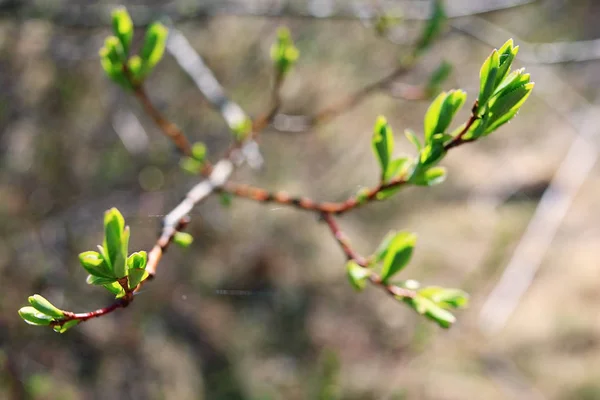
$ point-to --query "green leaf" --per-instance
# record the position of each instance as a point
(66, 326)
(34, 317)
(135, 66)
(410, 135)
(439, 76)
(362, 195)
(153, 49)
(397, 168)
(357, 275)
(136, 276)
(429, 156)
(428, 308)
(434, 176)
(398, 254)
(183, 239)
(112, 57)
(116, 240)
(383, 143)
(95, 264)
(122, 27)
(514, 80)
(283, 52)
(199, 152)
(137, 268)
(44, 306)
(242, 129)
(99, 280)
(507, 54)
(115, 288)
(441, 112)
(446, 298)
(137, 260)
(506, 107)
(190, 165)
(433, 27)
(382, 249)
(487, 78)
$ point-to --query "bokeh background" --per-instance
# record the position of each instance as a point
(259, 306)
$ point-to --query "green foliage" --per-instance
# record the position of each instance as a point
(283, 52)
(122, 27)
(44, 306)
(357, 275)
(154, 46)
(433, 28)
(434, 303)
(398, 254)
(129, 72)
(438, 77)
(442, 111)
(383, 143)
(183, 239)
(111, 266)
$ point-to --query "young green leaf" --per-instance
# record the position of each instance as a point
(115, 288)
(439, 76)
(398, 254)
(357, 275)
(410, 135)
(95, 264)
(137, 268)
(190, 165)
(441, 112)
(428, 308)
(283, 52)
(44, 306)
(153, 49)
(383, 143)
(135, 66)
(137, 260)
(434, 176)
(99, 280)
(34, 317)
(506, 107)
(116, 240)
(397, 168)
(446, 298)
(487, 78)
(183, 239)
(382, 249)
(433, 27)
(507, 54)
(199, 152)
(66, 326)
(122, 27)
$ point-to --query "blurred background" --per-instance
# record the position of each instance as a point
(259, 306)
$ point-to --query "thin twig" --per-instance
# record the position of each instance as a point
(351, 254)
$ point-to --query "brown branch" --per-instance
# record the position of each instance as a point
(351, 254)
(304, 203)
(119, 303)
(263, 121)
(168, 128)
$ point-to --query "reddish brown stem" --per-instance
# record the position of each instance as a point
(168, 128)
(304, 203)
(120, 303)
(351, 254)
